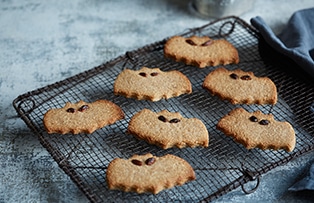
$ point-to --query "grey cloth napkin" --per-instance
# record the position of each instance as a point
(307, 183)
(295, 41)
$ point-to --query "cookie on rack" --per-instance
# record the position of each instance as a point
(82, 117)
(258, 130)
(151, 84)
(201, 51)
(168, 129)
(148, 173)
(240, 87)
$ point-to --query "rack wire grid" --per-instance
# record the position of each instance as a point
(221, 167)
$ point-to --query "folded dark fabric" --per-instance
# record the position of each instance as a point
(307, 183)
(295, 41)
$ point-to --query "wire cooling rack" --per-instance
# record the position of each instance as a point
(220, 168)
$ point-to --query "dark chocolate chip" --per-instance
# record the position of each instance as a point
(154, 74)
(136, 162)
(234, 76)
(162, 118)
(150, 161)
(142, 74)
(70, 110)
(83, 108)
(264, 122)
(246, 77)
(207, 43)
(190, 42)
(175, 120)
(253, 119)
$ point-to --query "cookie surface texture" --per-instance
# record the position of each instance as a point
(201, 51)
(258, 130)
(148, 173)
(151, 84)
(240, 87)
(168, 129)
(82, 117)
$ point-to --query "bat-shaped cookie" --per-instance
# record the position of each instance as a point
(258, 130)
(151, 84)
(148, 173)
(168, 129)
(240, 87)
(201, 51)
(82, 117)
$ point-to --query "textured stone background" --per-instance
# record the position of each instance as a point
(42, 42)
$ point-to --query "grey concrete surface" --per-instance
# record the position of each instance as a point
(42, 42)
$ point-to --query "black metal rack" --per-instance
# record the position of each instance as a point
(220, 168)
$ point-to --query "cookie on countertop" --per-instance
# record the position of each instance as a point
(151, 84)
(201, 51)
(82, 117)
(258, 130)
(168, 129)
(148, 173)
(240, 87)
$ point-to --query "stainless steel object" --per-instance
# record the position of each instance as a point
(221, 8)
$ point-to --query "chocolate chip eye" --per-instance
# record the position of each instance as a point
(162, 118)
(83, 108)
(175, 120)
(246, 77)
(142, 74)
(234, 76)
(136, 162)
(154, 74)
(253, 119)
(190, 42)
(264, 122)
(70, 110)
(150, 161)
(207, 43)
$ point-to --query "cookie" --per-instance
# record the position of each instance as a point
(151, 84)
(201, 51)
(82, 117)
(258, 130)
(240, 87)
(148, 173)
(168, 129)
